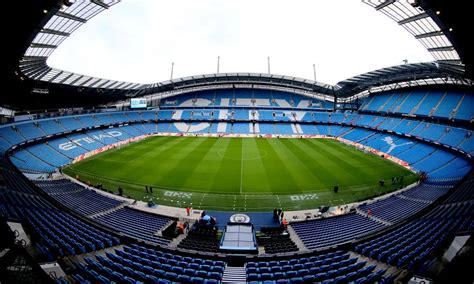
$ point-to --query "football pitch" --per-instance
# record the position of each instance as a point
(241, 174)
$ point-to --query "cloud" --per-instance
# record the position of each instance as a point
(137, 40)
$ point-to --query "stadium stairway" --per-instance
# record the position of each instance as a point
(120, 206)
(175, 242)
(363, 213)
(80, 257)
(234, 275)
(294, 237)
(69, 263)
(414, 199)
(390, 271)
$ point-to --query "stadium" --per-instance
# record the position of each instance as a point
(237, 177)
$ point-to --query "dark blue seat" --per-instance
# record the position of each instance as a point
(151, 279)
(215, 275)
(197, 280)
(184, 278)
(201, 273)
(296, 280)
(291, 274)
(279, 275)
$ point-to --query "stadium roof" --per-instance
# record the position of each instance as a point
(408, 75)
(42, 27)
(420, 21)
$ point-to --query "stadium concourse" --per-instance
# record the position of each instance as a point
(366, 181)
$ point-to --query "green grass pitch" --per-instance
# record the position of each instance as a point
(241, 174)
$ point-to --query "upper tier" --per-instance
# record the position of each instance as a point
(436, 104)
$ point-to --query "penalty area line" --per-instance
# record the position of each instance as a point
(241, 166)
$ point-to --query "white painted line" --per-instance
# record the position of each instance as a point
(279, 203)
(241, 166)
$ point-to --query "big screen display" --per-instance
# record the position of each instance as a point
(138, 103)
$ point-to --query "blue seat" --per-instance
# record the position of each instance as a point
(308, 278)
(172, 276)
(283, 262)
(197, 280)
(251, 264)
(189, 271)
(151, 279)
(201, 273)
(340, 279)
(159, 273)
(140, 275)
(362, 280)
(215, 275)
(291, 274)
(273, 263)
(183, 264)
(279, 275)
(319, 276)
(178, 270)
(166, 267)
(296, 280)
(293, 261)
(251, 270)
(194, 266)
(314, 270)
(198, 261)
(128, 280)
(297, 266)
(219, 263)
(252, 277)
(147, 269)
(184, 278)
(275, 269)
(217, 268)
(331, 273)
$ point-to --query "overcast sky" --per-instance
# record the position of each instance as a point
(137, 40)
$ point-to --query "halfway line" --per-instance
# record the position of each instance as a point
(241, 166)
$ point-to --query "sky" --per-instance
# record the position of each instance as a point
(137, 40)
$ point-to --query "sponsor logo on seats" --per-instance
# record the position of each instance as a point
(390, 142)
(66, 146)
